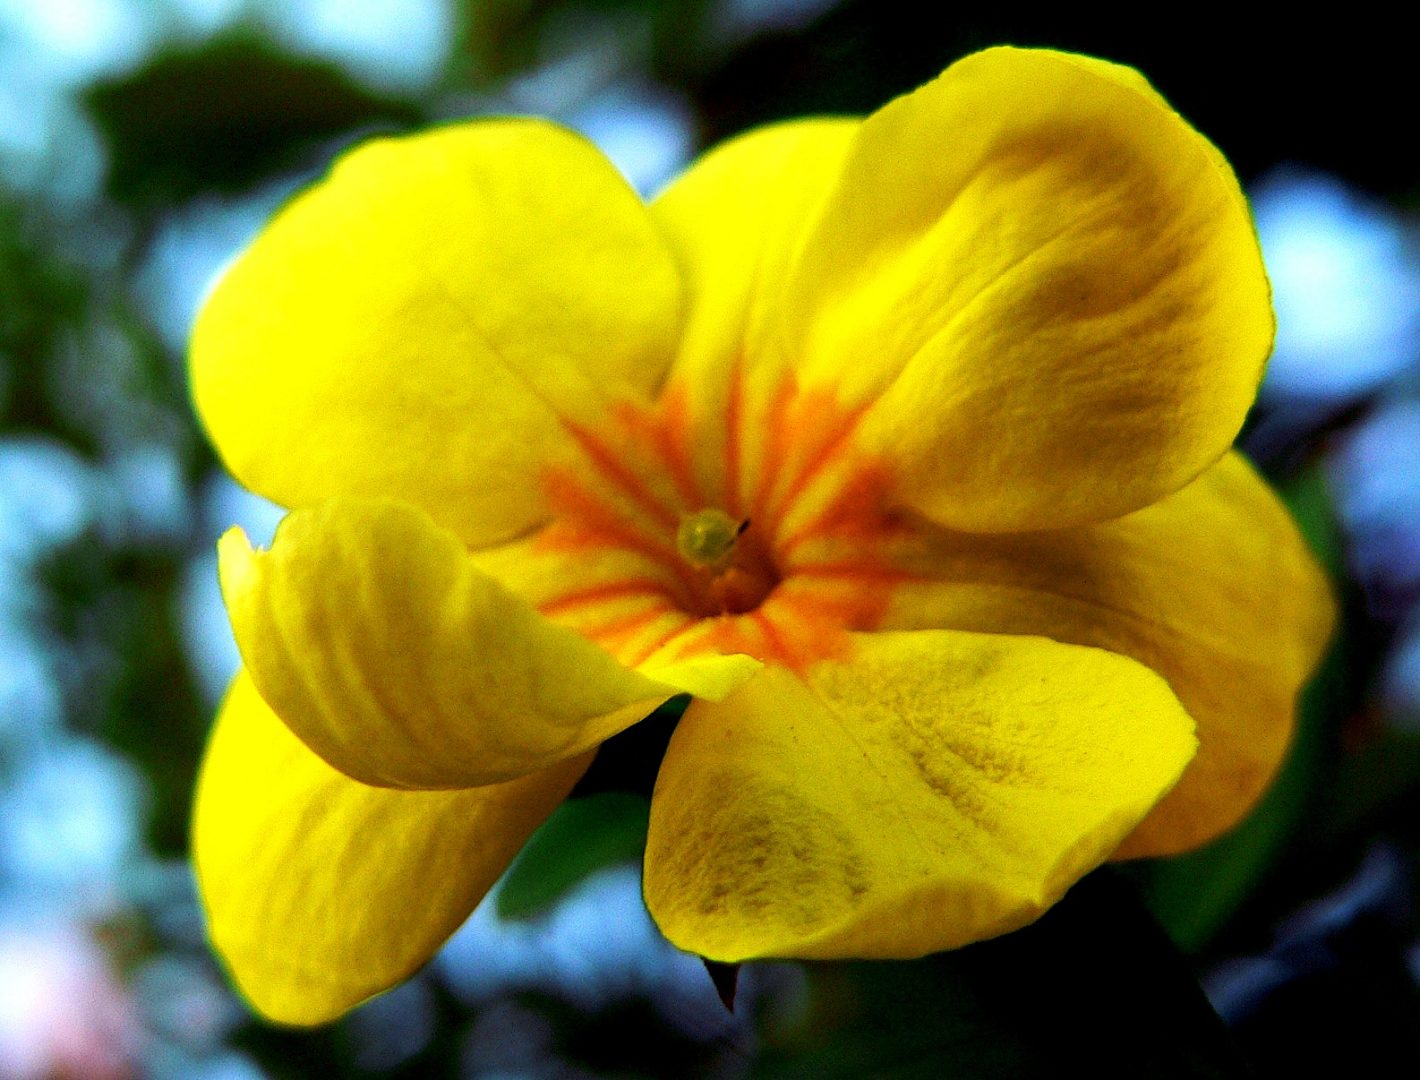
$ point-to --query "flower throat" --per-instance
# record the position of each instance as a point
(736, 570)
(764, 530)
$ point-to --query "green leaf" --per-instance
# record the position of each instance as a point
(1093, 989)
(581, 837)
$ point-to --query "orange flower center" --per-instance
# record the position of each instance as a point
(764, 531)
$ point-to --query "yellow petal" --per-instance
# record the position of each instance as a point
(712, 677)
(320, 891)
(1213, 588)
(1049, 283)
(369, 631)
(936, 789)
(735, 221)
(416, 325)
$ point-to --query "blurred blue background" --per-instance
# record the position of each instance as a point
(143, 142)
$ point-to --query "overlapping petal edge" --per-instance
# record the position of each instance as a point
(1013, 569)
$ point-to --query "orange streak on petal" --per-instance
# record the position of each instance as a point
(694, 638)
(857, 611)
(819, 413)
(734, 422)
(823, 626)
(776, 449)
(779, 648)
(855, 508)
(605, 460)
(586, 522)
(616, 632)
(725, 634)
(669, 434)
(597, 594)
(646, 652)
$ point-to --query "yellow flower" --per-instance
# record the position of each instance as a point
(901, 444)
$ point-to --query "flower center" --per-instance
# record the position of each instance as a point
(734, 570)
(762, 530)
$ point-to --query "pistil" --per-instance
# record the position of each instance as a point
(737, 572)
(706, 538)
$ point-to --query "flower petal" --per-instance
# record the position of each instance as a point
(735, 221)
(1213, 588)
(712, 676)
(370, 632)
(936, 789)
(320, 891)
(417, 324)
(1050, 284)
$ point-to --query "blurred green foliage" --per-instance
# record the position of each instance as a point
(272, 107)
(40, 298)
(582, 837)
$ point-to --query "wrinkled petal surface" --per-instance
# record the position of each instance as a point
(1213, 588)
(1050, 285)
(320, 891)
(371, 633)
(419, 325)
(938, 788)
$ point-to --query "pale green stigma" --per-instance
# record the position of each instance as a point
(707, 537)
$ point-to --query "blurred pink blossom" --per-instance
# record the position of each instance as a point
(63, 1013)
